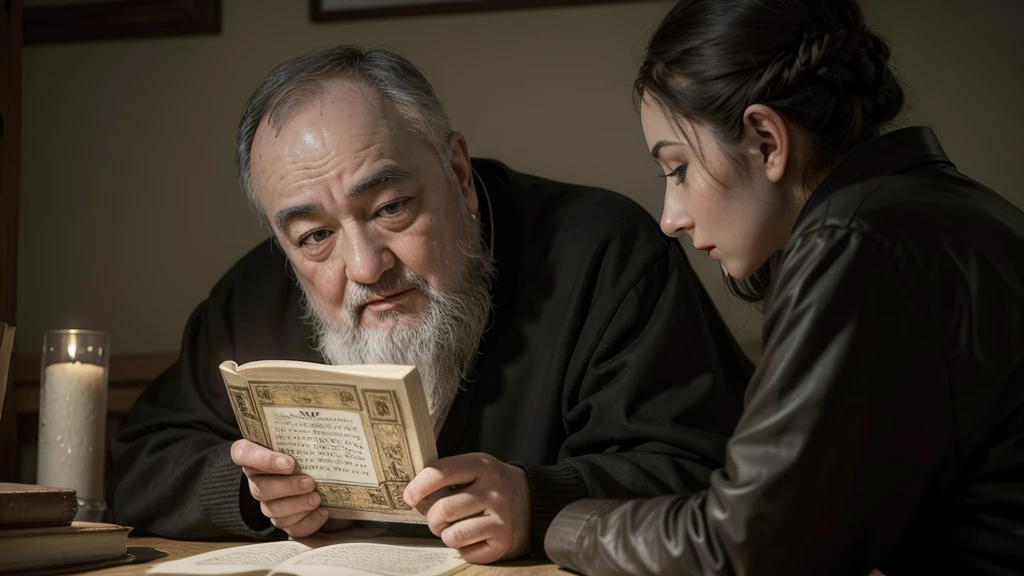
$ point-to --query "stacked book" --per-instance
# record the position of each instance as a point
(39, 537)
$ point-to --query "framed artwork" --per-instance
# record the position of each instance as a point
(331, 10)
(78, 20)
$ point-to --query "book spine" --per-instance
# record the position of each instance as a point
(37, 509)
(245, 408)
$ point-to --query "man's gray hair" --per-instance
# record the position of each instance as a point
(298, 83)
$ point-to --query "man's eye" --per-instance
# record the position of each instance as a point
(315, 237)
(392, 209)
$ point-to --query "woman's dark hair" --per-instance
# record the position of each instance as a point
(815, 62)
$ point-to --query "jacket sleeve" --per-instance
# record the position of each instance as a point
(659, 393)
(847, 429)
(171, 471)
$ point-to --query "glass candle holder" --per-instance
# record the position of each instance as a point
(73, 416)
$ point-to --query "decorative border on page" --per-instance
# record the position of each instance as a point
(382, 424)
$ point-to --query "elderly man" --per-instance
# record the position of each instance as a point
(566, 348)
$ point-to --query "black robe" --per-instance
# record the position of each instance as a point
(606, 370)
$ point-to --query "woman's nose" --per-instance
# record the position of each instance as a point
(675, 220)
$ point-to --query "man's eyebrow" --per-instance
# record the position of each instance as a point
(380, 176)
(286, 215)
(656, 150)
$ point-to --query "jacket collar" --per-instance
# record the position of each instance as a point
(891, 153)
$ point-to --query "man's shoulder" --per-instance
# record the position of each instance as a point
(255, 308)
(264, 266)
(585, 214)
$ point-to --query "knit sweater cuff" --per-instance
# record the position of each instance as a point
(551, 489)
(224, 494)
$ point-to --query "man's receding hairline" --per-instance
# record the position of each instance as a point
(296, 106)
(305, 106)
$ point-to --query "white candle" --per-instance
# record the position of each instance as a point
(72, 427)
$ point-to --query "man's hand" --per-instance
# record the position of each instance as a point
(289, 501)
(476, 504)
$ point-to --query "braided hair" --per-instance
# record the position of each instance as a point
(815, 62)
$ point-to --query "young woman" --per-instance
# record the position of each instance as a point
(884, 427)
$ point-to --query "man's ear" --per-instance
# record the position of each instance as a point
(464, 171)
(766, 139)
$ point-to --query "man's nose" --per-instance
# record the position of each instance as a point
(367, 257)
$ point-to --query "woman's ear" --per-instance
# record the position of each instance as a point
(766, 139)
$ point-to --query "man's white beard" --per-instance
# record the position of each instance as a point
(442, 343)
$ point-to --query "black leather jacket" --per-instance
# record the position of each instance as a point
(885, 425)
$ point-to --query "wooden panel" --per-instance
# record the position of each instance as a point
(10, 170)
(10, 155)
(124, 368)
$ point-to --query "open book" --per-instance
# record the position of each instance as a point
(361, 432)
(383, 556)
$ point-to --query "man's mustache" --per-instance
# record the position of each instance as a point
(391, 281)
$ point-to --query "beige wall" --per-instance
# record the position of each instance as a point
(130, 209)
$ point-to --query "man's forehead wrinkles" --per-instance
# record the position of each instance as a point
(333, 145)
(302, 166)
(294, 173)
(332, 166)
(368, 148)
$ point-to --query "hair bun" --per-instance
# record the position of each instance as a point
(854, 61)
(816, 63)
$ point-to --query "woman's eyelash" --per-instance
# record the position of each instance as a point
(679, 173)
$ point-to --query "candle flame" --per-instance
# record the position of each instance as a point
(72, 348)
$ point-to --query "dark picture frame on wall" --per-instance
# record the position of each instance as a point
(334, 10)
(81, 20)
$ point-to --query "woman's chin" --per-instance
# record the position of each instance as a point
(736, 271)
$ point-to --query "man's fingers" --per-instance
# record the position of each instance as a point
(308, 525)
(250, 473)
(451, 509)
(289, 521)
(283, 507)
(337, 525)
(267, 487)
(483, 552)
(470, 531)
(428, 501)
(251, 455)
(451, 471)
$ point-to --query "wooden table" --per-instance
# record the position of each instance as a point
(176, 549)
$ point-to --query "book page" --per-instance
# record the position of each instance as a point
(361, 432)
(329, 444)
(367, 558)
(253, 559)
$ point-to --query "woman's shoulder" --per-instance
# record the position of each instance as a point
(945, 237)
(932, 199)
(920, 215)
